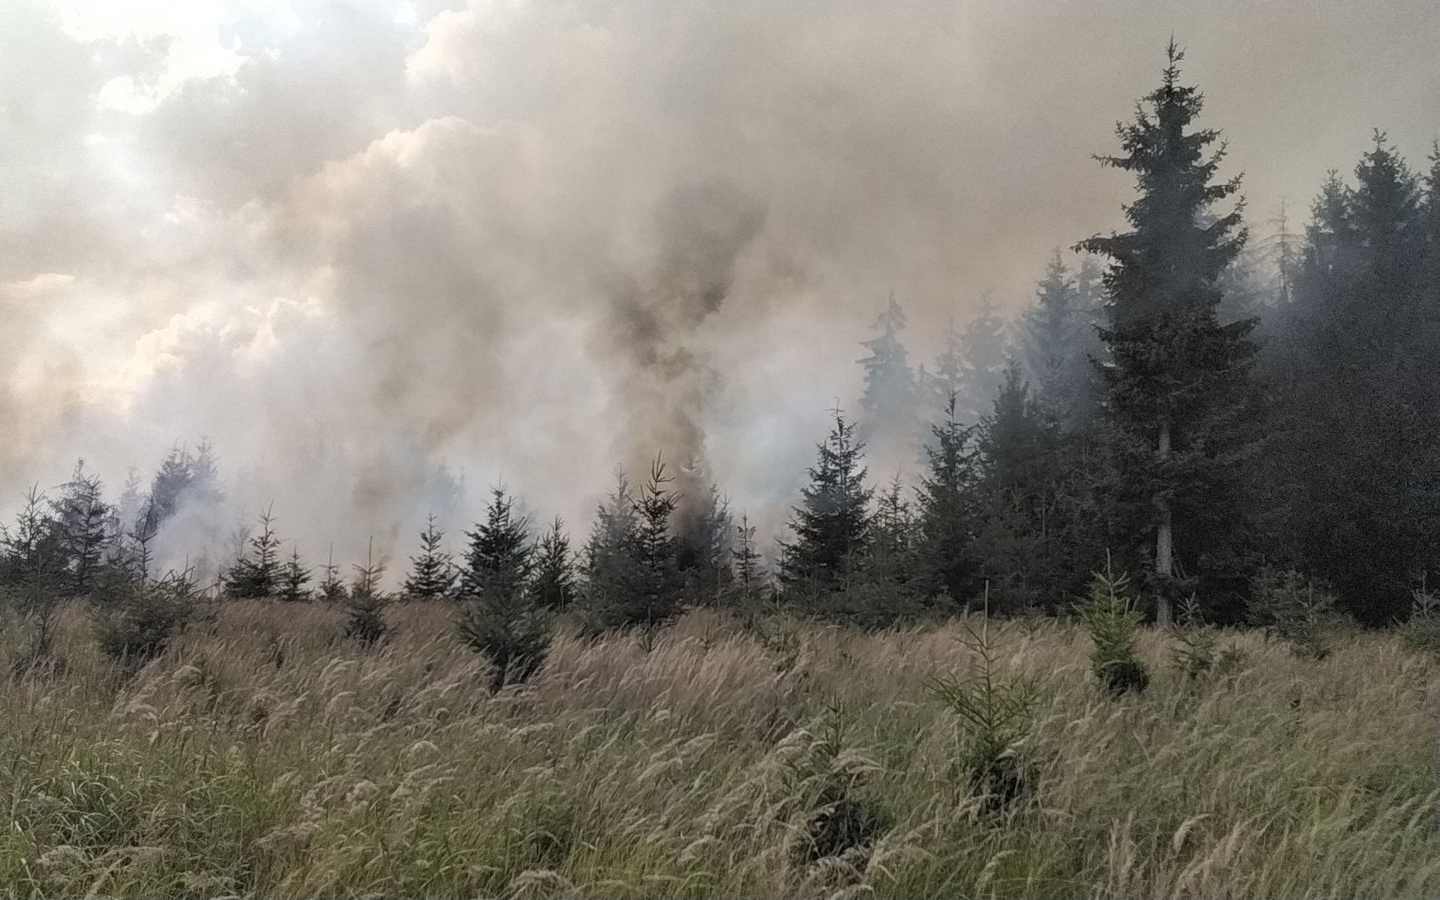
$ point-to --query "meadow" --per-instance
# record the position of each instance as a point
(264, 756)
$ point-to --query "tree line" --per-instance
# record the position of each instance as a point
(1204, 412)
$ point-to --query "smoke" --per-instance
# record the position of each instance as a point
(666, 377)
(375, 250)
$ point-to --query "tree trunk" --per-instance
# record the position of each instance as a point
(1164, 538)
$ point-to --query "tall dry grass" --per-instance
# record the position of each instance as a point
(263, 756)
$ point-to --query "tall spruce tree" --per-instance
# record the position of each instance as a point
(609, 557)
(1357, 488)
(947, 520)
(702, 543)
(1019, 447)
(1431, 226)
(432, 572)
(891, 559)
(554, 581)
(660, 582)
(888, 403)
(831, 526)
(132, 501)
(499, 616)
(498, 558)
(1177, 377)
(947, 381)
(170, 482)
(140, 559)
(1058, 342)
(82, 518)
(985, 349)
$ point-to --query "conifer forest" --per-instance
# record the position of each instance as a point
(610, 449)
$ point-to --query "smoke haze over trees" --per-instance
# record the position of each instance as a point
(365, 261)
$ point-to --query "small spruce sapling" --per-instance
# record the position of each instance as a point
(1194, 653)
(1422, 631)
(1114, 623)
(1296, 609)
(825, 778)
(332, 588)
(996, 717)
(140, 623)
(554, 580)
(365, 604)
(432, 572)
(1197, 650)
(293, 579)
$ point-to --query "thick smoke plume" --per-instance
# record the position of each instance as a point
(701, 232)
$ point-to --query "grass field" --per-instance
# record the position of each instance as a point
(261, 756)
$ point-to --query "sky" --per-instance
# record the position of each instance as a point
(355, 242)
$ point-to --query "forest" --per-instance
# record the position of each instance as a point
(1145, 611)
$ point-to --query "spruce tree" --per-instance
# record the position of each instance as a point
(1058, 342)
(554, 581)
(1177, 376)
(658, 597)
(82, 517)
(1352, 470)
(140, 537)
(365, 602)
(948, 380)
(890, 561)
(749, 581)
(498, 558)
(1431, 221)
(610, 567)
(498, 615)
(831, 526)
(128, 508)
(170, 482)
(293, 579)
(985, 349)
(31, 554)
(1049, 333)
(1019, 445)
(1286, 256)
(947, 518)
(30, 570)
(702, 543)
(888, 402)
(432, 573)
(256, 572)
(332, 587)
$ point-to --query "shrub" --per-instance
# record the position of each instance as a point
(512, 634)
(1113, 623)
(1422, 631)
(136, 623)
(996, 717)
(1197, 652)
(1296, 609)
(824, 779)
(38, 607)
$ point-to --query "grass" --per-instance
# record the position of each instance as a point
(262, 756)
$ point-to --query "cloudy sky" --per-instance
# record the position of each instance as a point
(353, 241)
